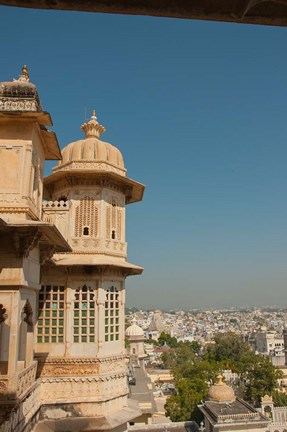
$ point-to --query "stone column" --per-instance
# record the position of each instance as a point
(27, 181)
(69, 323)
(122, 316)
(14, 334)
(101, 319)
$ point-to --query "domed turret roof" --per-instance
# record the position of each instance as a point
(134, 329)
(86, 152)
(19, 94)
(221, 392)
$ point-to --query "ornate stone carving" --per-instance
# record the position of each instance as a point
(3, 314)
(79, 367)
(15, 104)
(47, 253)
(97, 166)
(26, 379)
(27, 314)
(3, 387)
(25, 242)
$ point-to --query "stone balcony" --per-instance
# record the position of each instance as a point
(15, 386)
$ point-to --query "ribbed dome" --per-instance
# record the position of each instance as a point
(221, 392)
(92, 149)
(134, 329)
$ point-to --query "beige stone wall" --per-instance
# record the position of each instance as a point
(21, 169)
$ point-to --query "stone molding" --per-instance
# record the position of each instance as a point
(90, 164)
(82, 379)
(13, 104)
(105, 369)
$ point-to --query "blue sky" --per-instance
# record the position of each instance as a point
(198, 110)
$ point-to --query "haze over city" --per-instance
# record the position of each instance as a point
(198, 110)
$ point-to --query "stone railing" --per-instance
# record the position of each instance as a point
(51, 207)
(26, 378)
(14, 386)
(55, 205)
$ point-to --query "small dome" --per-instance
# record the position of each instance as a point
(134, 329)
(19, 94)
(221, 392)
(91, 150)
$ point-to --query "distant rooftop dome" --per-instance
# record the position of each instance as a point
(87, 152)
(221, 392)
(134, 329)
(19, 94)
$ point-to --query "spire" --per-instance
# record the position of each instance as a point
(93, 128)
(24, 75)
(220, 379)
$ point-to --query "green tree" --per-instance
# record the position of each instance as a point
(192, 382)
(279, 399)
(183, 353)
(165, 338)
(259, 378)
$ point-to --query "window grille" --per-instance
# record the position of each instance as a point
(84, 315)
(87, 216)
(113, 220)
(112, 311)
(50, 326)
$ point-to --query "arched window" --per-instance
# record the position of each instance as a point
(86, 231)
(86, 218)
(112, 312)
(84, 315)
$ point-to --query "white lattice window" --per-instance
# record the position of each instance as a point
(112, 314)
(86, 218)
(84, 315)
(50, 326)
(113, 220)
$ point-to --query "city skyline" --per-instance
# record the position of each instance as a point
(198, 111)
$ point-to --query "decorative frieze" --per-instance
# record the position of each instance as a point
(15, 104)
(90, 165)
(101, 369)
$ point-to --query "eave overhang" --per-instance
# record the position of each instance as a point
(90, 260)
(133, 190)
(267, 12)
(51, 146)
(47, 234)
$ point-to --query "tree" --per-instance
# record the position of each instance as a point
(228, 347)
(183, 353)
(279, 399)
(192, 382)
(167, 339)
(260, 378)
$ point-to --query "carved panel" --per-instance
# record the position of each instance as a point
(26, 379)
(9, 104)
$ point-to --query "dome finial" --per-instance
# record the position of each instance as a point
(25, 72)
(220, 379)
(93, 128)
(94, 117)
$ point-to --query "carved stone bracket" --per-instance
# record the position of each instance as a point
(46, 253)
(25, 242)
(3, 314)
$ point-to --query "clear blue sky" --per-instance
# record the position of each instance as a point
(198, 110)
